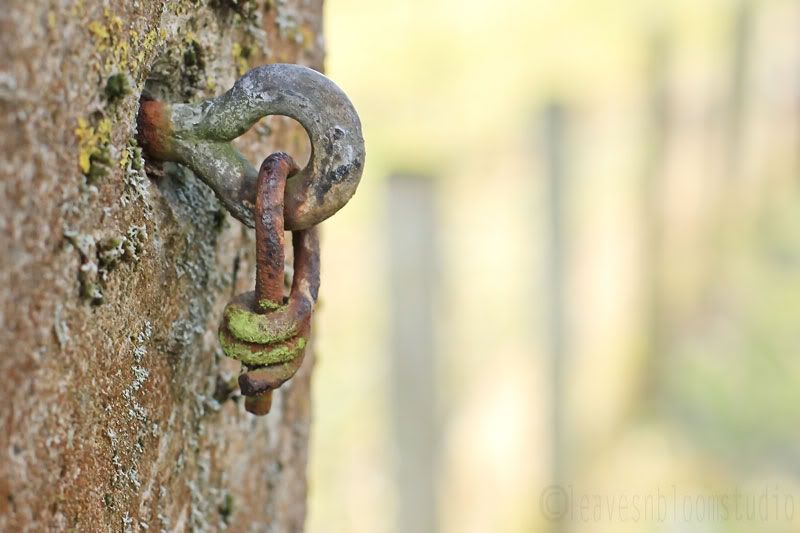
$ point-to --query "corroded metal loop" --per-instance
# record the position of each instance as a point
(257, 335)
(198, 135)
(260, 328)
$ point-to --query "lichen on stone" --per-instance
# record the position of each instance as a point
(99, 257)
(241, 55)
(94, 150)
(117, 86)
(137, 185)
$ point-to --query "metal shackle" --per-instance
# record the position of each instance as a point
(198, 135)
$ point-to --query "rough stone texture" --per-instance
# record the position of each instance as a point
(117, 411)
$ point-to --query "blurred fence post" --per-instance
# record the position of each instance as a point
(741, 39)
(412, 267)
(657, 131)
(554, 133)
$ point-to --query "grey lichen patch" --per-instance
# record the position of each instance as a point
(286, 20)
(60, 327)
(100, 257)
(135, 178)
(128, 435)
(199, 213)
(185, 330)
(135, 411)
(134, 243)
(122, 248)
(226, 385)
(110, 252)
(88, 279)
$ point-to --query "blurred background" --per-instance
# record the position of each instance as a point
(572, 269)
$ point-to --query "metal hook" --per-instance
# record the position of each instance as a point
(198, 135)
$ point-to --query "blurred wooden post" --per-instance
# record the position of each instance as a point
(726, 208)
(737, 97)
(412, 267)
(554, 130)
(653, 177)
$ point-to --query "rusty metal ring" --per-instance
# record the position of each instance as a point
(267, 334)
(198, 135)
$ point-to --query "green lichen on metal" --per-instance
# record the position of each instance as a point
(254, 327)
(268, 356)
(198, 136)
(269, 305)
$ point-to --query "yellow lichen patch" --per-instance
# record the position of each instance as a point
(85, 134)
(308, 40)
(100, 34)
(92, 141)
(77, 8)
(122, 50)
(240, 56)
(123, 159)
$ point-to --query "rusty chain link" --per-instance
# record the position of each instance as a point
(261, 328)
(258, 328)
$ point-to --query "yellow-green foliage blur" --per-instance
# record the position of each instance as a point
(681, 280)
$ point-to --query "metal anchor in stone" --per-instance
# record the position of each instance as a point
(198, 135)
(264, 330)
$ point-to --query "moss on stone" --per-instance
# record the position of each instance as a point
(117, 87)
(226, 507)
(240, 56)
(193, 55)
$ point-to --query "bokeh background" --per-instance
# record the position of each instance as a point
(574, 260)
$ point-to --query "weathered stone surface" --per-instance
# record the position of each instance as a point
(113, 276)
